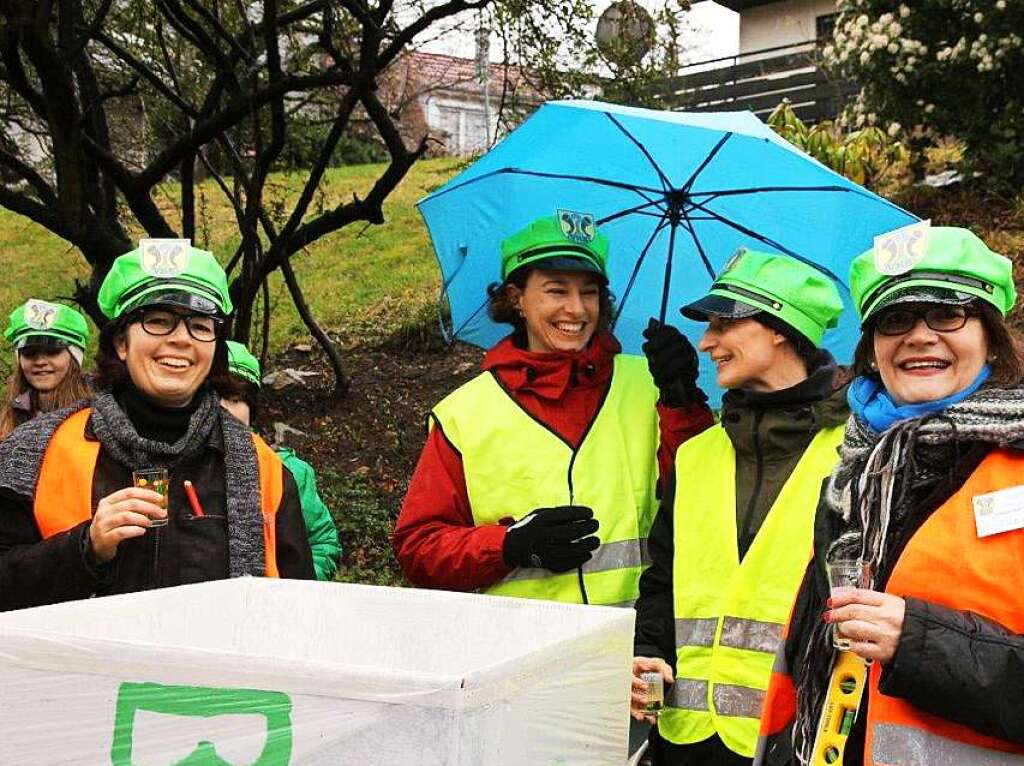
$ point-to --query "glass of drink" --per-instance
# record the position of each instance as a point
(842, 574)
(157, 480)
(655, 692)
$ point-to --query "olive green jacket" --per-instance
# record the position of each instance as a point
(770, 432)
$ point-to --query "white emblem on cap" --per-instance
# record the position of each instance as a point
(40, 315)
(579, 227)
(900, 250)
(733, 261)
(164, 257)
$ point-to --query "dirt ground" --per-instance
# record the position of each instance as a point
(364, 447)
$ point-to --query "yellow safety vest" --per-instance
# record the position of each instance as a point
(729, 614)
(514, 464)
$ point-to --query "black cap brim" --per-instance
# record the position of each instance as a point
(568, 263)
(41, 341)
(925, 294)
(197, 304)
(717, 305)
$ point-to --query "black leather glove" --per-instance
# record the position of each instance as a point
(559, 539)
(672, 361)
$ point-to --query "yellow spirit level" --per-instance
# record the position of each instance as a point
(845, 690)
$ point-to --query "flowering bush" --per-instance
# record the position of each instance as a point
(940, 68)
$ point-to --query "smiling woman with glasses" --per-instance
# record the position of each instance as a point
(76, 521)
(926, 498)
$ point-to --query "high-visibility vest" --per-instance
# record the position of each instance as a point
(946, 563)
(514, 464)
(63, 497)
(730, 614)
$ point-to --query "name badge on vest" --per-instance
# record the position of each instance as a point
(1000, 511)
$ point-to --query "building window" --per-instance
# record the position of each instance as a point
(825, 25)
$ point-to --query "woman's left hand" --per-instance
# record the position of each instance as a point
(873, 621)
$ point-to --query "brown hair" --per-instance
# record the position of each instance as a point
(112, 373)
(70, 390)
(1005, 346)
(503, 309)
(809, 354)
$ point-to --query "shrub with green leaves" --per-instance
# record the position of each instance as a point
(941, 68)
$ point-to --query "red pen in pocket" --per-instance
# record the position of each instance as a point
(193, 499)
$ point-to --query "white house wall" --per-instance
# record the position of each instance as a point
(462, 118)
(781, 23)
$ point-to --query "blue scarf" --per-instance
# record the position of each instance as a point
(870, 402)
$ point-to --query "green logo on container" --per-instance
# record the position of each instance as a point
(203, 702)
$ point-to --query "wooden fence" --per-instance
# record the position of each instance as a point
(759, 81)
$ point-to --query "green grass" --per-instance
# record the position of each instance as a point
(362, 282)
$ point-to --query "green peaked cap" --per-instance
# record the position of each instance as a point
(800, 295)
(570, 240)
(242, 363)
(159, 269)
(37, 318)
(951, 260)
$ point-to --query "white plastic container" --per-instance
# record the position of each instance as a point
(275, 672)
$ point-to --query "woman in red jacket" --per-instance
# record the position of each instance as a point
(538, 477)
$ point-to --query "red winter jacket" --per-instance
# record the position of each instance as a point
(435, 538)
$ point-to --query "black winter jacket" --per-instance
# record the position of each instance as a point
(35, 572)
(953, 664)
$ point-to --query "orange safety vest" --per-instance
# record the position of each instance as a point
(63, 497)
(946, 563)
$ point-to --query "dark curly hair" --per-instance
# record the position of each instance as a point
(1004, 343)
(502, 309)
(112, 373)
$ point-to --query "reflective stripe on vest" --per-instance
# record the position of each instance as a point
(513, 464)
(909, 746)
(729, 615)
(63, 496)
(946, 563)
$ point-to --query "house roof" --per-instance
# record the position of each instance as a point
(742, 5)
(435, 70)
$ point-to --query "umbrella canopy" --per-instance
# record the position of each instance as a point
(675, 193)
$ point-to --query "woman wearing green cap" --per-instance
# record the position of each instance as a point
(75, 522)
(731, 540)
(244, 403)
(926, 501)
(538, 476)
(49, 340)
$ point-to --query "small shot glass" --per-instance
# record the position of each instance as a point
(843, 573)
(157, 480)
(655, 692)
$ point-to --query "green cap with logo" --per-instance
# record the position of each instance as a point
(51, 325)
(243, 364)
(165, 272)
(753, 282)
(566, 241)
(921, 263)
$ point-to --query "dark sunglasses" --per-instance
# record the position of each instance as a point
(200, 327)
(899, 321)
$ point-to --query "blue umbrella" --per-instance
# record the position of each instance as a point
(676, 194)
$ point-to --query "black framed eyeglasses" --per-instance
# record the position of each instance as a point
(899, 321)
(201, 327)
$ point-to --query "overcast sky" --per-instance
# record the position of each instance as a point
(717, 33)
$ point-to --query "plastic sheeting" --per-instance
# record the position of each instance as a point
(274, 672)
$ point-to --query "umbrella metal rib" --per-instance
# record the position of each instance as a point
(666, 184)
(636, 269)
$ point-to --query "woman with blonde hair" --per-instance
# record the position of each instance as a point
(49, 341)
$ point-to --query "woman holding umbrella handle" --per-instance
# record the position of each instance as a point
(538, 477)
(731, 540)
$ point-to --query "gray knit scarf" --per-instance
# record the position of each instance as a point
(875, 485)
(22, 452)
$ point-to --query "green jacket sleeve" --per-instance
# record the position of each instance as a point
(323, 535)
